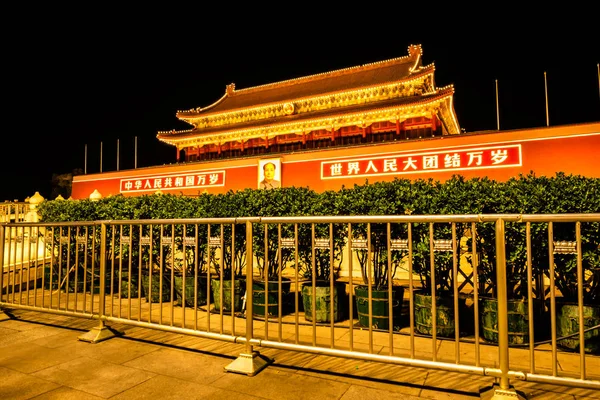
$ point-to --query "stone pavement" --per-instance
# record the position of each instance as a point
(42, 358)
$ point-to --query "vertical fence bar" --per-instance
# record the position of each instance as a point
(113, 229)
(172, 307)
(350, 291)
(475, 260)
(102, 299)
(249, 297)
(29, 262)
(552, 298)
(279, 284)
(390, 284)
(580, 300)
(530, 298)
(76, 229)
(411, 310)
(35, 233)
(120, 277)
(455, 287)
(233, 269)
(140, 268)
(370, 286)
(433, 293)
(52, 260)
(196, 271)
(296, 292)
(183, 276)
(60, 267)
(2, 250)
(331, 287)
(94, 244)
(313, 305)
(14, 265)
(222, 277)
(22, 256)
(208, 285)
(265, 277)
(502, 304)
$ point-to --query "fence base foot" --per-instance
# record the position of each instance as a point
(248, 364)
(5, 315)
(495, 393)
(98, 334)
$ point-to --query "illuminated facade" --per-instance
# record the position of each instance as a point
(374, 122)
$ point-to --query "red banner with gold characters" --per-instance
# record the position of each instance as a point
(199, 179)
(457, 159)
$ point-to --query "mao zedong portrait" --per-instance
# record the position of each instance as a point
(269, 181)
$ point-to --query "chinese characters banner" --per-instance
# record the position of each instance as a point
(438, 161)
(174, 182)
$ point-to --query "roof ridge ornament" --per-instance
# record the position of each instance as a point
(230, 89)
(415, 51)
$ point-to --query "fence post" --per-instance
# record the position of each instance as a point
(250, 362)
(2, 250)
(504, 390)
(101, 332)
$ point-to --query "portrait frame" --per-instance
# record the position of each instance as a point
(261, 171)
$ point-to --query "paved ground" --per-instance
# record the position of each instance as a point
(42, 358)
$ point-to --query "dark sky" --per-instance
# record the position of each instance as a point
(81, 81)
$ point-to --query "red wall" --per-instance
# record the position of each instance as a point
(570, 148)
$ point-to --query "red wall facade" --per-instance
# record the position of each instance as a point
(498, 155)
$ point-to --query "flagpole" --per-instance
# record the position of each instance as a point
(117, 154)
(497, 108)
(100, 157)
(546, 85)
(598, 68)
(135, 154)
(85, 160)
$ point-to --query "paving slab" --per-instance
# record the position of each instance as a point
(15, 385)
(94, 377)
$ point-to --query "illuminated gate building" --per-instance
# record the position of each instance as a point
(370, 122)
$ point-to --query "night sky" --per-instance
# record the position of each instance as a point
(74, 82)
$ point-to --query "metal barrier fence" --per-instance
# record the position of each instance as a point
(242, 280)
(13, 211)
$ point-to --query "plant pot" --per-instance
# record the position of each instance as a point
(380, 306)
(445, 326)
(153, 294)
(184, 290)
(323, 301)
(238, 292)
(518, 319)
(270, 305)
(567, 323)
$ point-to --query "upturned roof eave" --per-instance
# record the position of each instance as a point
(174, 137)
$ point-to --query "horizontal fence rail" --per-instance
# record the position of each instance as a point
(502, 295)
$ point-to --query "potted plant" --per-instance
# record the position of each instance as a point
(438, 286)
(517, 195)
(378, 264)
(226, 250)
(228, 260)
(272, 256)
(584, 197)
(191, 274)
(320, 256)
(436, 249)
